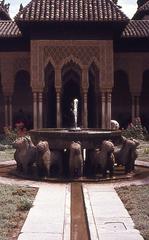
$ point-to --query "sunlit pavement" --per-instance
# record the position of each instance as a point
(50, 216)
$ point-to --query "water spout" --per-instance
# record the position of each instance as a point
(75, 112)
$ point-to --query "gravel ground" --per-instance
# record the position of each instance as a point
(143, 151)
(7, 155)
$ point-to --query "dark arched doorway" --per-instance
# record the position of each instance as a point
(121, 99)
(144, 100)
(94, 103)
(1, 107)
(70, 91)
(49, 100)
(22, 100)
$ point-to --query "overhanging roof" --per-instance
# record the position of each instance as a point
(9, 29)
(71, 11)
(137, 29)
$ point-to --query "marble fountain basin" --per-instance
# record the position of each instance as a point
(60, 138)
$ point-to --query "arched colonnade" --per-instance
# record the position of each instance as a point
(54, 75)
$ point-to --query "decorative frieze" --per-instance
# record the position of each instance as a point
(83, 53)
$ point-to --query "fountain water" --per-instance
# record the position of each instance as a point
(75, 111)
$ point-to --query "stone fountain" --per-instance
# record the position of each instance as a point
(74, 152)
(60, 138)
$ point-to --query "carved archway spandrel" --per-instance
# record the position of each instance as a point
(21, 64)
(83, 53)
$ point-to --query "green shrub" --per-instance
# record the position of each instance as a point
(146, 150)
(135, 130)
(10, 135)
(24, 204)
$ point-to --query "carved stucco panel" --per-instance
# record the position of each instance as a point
(106, 70)
(83, 53)
(41, 68)
(7, 76)
(109, 66)
(36, 67)
(61, 55)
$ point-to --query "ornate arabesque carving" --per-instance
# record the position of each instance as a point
(83, 56)
(82, 53)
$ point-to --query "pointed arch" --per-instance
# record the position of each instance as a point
(71, 89)
(49, 101)
(22, 99)
(49, 60)
(94, 120)
(72, 59)
(94, 61)
(1, 106)
(144, 99)
(121, 99)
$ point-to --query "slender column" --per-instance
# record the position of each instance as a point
(58, 85)
(40, 112)
(58, 109)
(108, 120)
(133, 108)
(10, 110)
(97, 109)
(103, 106)
(85, 85)
(137, 106)
(85, 116)
(6, 111)
(35, 114)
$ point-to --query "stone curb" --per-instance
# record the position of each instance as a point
(108, 218)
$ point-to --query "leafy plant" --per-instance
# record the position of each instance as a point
(10, 135)
(146, 151)
(135, 130)
(24, 204)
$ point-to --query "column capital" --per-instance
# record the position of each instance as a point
(85, 68)
(37, 89)
(85, 90)
(106, 90)
(40, 96)
(58, 67)
(58, 89)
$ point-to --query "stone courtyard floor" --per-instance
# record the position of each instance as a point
(57, 212)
